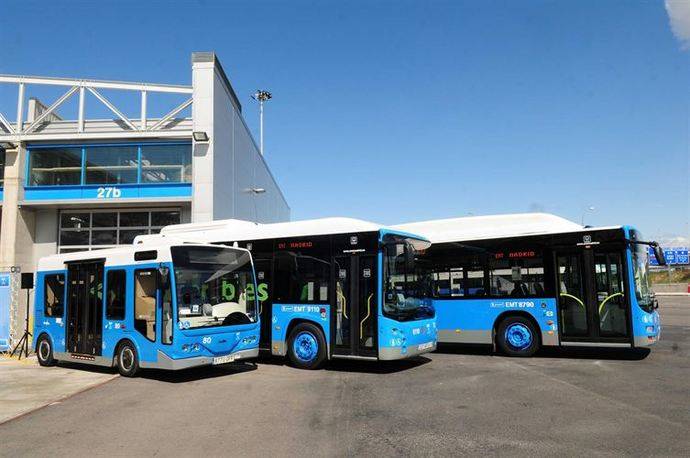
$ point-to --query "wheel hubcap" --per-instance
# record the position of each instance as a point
(305, 347)
(126, 359)
(518, 336)
(44, 350)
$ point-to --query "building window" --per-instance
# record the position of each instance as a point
(55, 166)
(116, 295)
(54, 295)
(86, 230)
(166, 164)
(110, 165)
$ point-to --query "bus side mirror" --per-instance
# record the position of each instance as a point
(659, 254)
(164, 275)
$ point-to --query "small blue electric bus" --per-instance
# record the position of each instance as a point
(329, 288)
(520, 282)
(167, 306)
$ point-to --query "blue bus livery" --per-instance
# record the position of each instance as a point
(524, 281)
(330, 288)
(163, 306)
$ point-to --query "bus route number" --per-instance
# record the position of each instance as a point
(109, 192)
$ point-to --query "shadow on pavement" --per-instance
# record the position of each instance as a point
(197, 373)
(375, 367)
(623, 354)
(353, 365)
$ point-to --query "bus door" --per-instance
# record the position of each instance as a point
(354, 310)
(592, 299)
(263, 281)
(85, 307)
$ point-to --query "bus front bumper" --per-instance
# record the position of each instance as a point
(165, 362)
(391, 353)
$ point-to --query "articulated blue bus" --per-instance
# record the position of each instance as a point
(520, 282)
(330, 288)
(167, 306)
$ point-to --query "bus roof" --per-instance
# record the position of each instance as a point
(231, 230)
(123, 255)
(491, 227)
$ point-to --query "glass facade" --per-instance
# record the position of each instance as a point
(93, 229)
(110, 164)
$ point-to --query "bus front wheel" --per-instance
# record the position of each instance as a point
(127, 360)
(517, 336)
(44, 352)
(306, 346)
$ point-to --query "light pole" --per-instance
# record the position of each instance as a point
(591, 209)
(261, 96)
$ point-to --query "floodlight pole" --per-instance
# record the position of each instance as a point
(261, 96)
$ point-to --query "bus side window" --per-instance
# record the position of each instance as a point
(145, 303)
(115, 295)
(54, 295)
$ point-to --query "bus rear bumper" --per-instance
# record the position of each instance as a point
(391, 353)
(165, 362)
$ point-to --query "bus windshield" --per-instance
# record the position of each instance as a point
(640, 262)
(403, 285)
(214, 287)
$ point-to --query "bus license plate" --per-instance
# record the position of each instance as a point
(425, 346)
(223, 359)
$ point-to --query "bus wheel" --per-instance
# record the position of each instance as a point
(127, 360)
(517, 336)
(44, 352)
(306, 346)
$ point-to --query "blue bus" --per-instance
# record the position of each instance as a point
(330, 288)
(520, 282)
(167, 306)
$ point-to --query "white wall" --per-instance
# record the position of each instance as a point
(230, 165)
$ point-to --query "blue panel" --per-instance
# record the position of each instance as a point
(417, 335)
(5, 298)
(1, 194)
(284, 314)
(481, 314)
(107, 193)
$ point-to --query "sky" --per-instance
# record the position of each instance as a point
(398, 111)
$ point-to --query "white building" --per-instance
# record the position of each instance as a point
(88, 183)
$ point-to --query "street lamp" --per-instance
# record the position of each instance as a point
(590, 209)
(261, 96)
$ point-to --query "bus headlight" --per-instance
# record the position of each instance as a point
(185, 348)
(195, 347)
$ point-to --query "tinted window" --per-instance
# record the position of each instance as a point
(54, 295)
(166, 164)
(116, 295)
(111, 165)
(302, 271)
(517, 273)
(55, 166)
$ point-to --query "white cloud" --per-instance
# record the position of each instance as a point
(674, 241)
(679, 17)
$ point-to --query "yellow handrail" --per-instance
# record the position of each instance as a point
(601, 306)
(576, 299)
(340, 294)
(361, 323)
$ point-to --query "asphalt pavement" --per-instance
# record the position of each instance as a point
(461, 400)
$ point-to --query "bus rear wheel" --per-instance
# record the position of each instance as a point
(306, 346)
(127, 360)
(517, 336)
(44, 352)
